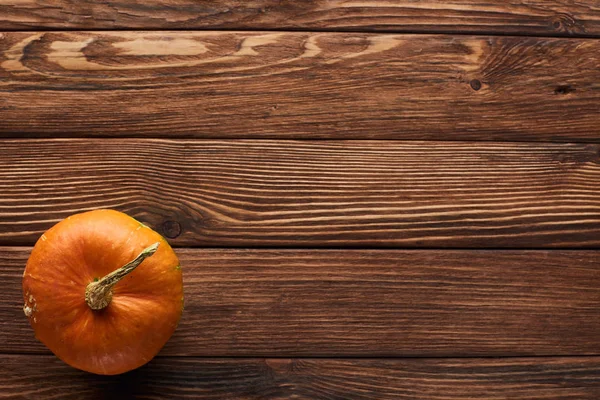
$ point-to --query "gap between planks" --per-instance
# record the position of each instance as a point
(556, 17)
(315, 31)
(336, 357)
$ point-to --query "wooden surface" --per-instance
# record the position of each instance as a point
(537, 17)
(367, 303)
(576, 378)
(370, 199)
(298, 85)
(311, 193)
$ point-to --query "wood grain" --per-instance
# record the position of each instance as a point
(310, 193)
(298, 85)
(531, 17)
(576, 378)
(368, 303)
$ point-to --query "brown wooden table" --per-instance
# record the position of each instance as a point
(370, 199)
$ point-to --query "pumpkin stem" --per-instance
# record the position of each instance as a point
(99, 294)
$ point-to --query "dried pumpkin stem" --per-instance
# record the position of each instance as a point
(99, 294)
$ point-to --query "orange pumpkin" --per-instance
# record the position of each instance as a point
(103, 291)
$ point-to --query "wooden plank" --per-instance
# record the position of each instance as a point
(576, 378)
(310, 193)
(532, 17)
(370, 303)
(299, 85)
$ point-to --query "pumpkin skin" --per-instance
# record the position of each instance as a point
(145, 307)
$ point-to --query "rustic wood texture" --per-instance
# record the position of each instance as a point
(184, 130)
(298, 85)
(310, 193)
(531, 17)
(281, 303)
(576, 378)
